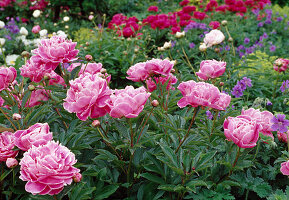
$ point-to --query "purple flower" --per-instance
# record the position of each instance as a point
(209, 115)
(268, 11)
(284, 85)
(202, 35)
(272, 48)
(269, 103)
(280, 123)
(242, 84)
(247, 81)
(192, 45)
(279, 19)
(249, 50)
(265, 35)
(246, 40)
(241, 54)
(268, 21)
(173, 43)
(256, 11)
(260, 24)
(237, 91)
(227, 48)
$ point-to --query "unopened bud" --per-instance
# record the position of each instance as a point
(47, 77)
(77, 177)
(87, 43)
(124, 52)
(221, 83)
(88, 57)
(25, 54)
(230, 39)
(203, 47)
(224, 22)
(11, 162)
(155, 103)
(31, 87)
(16, 116)
(96, 123)
(103, 71)
(217, 50)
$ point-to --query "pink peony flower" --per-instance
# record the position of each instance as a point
(35, 135)
(282, 137)
(11, 162)
(214, 37)
(214, 24)
(211, 69)
(86, 97)
(2, 101)
(6, 145)
(128, 102)
(137, 72)
(198, 94)
(285, 168)
(7, 76)
(73, 66)
(55, 79)
(222, 102)
(35, 69)
(169, 80)
(91, 68)
(261, 118)
(36, 29)
(56, 50)
(242, 130)
(37, 97)
(281, 64)
(47, 168)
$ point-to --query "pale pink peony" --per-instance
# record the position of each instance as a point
(7, 76)
(11, 162)
(6, 145)
(262, 118)
(282, 137)
(169, 80)
(128, 102)
(35, 69)
(137, 72)
(242, 130)
(211, 69)
(214, 37)
(47, 168)
(36, 29)
(37, 97)
(198, 94)
(285, 168)
(56, 50)
(35, 135)
(222, 102)
(86, 97)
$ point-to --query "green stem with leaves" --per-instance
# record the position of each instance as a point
(8, 119)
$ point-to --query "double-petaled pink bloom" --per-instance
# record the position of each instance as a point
(128, 102)
(87, 96)
(35, 135)
(7, 143)
(202, 94)
(210, 69)
(7, 76)
(47, 168)
(214, 37)
(281, 64)
(242, 130)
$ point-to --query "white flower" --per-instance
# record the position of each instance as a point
(11, 59)
(180, 34)
(66, 18)
(167, 45)
(23, 31)
(203, 47)
(90, 17)
(36, 13)
(2, 24)
(43, 33)
(66, 26)
(61, 33)
(2, 42)
(214, 37)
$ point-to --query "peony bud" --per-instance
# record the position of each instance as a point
(43, 33)
(103, 71)
(16, 116)
(217, 50)
(88, 57)
(230, 39)
(77, 177)
(221, 83)
(66, 26)
(31, 87)
(155, 103)
(2, 42)
(203, 47)
(36, 13)
(224, 22)
(90, 17)
(2, 24)
(96, 123)
(11, 162)
(23, 31)
(25, 54)
(87, 44)
(66, 18)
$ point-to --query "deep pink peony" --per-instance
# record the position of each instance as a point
(198, 94)
(47, 168)
(285, 168)
(91, 68)
(35, 68)
(37, 97)
(55, 79)
(86, 96)
(262, 118)
(153, 8)
(56, 50)
(214, 37)
(6, 145)
(211, 69)
(7, 76)
(169, 80)
(281, 65)
(222, 102)
(36, 29)
(128, 102)
(242, 130)
(137, 72)
(35, 135)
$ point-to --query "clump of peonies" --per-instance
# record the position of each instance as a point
(285, 168)
(210, 69)
(87, 96)
(263, 118)
(214, 37)
(35, 135)
(56, 50)
(202, 94)
(128, 102)
(281, 64)
(242, 130)
(47, 168)
(7, 76)
(6, 145)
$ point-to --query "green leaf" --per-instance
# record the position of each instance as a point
(106, 191)
(153, 178)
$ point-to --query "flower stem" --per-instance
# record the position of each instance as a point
(8, 119)
(235, 162)
(193, 120)
(215, 117)
(188, 60)
(131, 132)
(144, 125)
